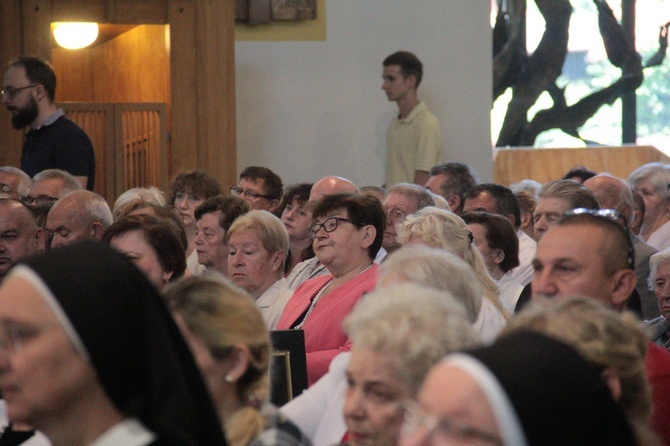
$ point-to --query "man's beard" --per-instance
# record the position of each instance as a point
(24, 117)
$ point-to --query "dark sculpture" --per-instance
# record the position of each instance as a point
(530, 76)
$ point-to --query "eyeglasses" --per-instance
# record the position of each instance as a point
(11, 92)
(40, 199)
(238, 192)
(329, 225)
(612, 215)
(396, 216)
(441, 430)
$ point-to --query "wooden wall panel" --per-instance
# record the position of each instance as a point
(128, 11)
(215, 59)
(183, 127)
(134, 67)
(79, 11)
(512, 165)
(10, 48)
(36, 28)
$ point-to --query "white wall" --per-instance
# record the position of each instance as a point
(310, 109)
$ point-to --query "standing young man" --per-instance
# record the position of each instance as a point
(413, 139)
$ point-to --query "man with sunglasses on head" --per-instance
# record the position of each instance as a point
(613, 193)
(589, 254)
(52, 141)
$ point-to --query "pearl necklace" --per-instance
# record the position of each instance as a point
(320, 294)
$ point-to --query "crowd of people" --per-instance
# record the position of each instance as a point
(440, 310)
(422, 324)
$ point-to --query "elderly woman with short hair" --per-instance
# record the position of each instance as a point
(659, 283)
(651, 182)
(347, 233)
(257, 247)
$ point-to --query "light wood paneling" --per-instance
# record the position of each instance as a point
(133, 67)
(512, 165)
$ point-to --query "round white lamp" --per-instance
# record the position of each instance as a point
(75, 35)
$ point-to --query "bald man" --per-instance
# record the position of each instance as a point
(331, 185)
(613, 193)
(20, 236)
(80, 215)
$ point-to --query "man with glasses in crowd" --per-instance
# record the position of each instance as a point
(50, 185)
(402, 200)
(260, 187)
(53, 141)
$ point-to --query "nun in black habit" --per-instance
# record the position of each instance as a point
(90, 355)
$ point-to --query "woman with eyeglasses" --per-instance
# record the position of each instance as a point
(347, 233)
(188, 190)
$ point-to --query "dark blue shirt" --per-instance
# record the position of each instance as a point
(61, 145)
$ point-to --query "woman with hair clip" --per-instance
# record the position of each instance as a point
(444, 229)
(231, 345)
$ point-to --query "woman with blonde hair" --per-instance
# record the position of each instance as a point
(613, 342)
(257, 247)
(231, 345)
(444, 229)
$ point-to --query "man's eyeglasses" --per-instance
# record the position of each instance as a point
(612, 215)
(441, 430)
(40, 199)
(396, 216)
(329, 225)
(238, 192)
(10, 92)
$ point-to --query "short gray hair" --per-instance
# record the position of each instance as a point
(411, 325)
(422, 196)
(24, 179)
(657, 174)
(138, 194)
(577, 195)
(437, 269)
(91, 207)
(70, 183)
(656, 260)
